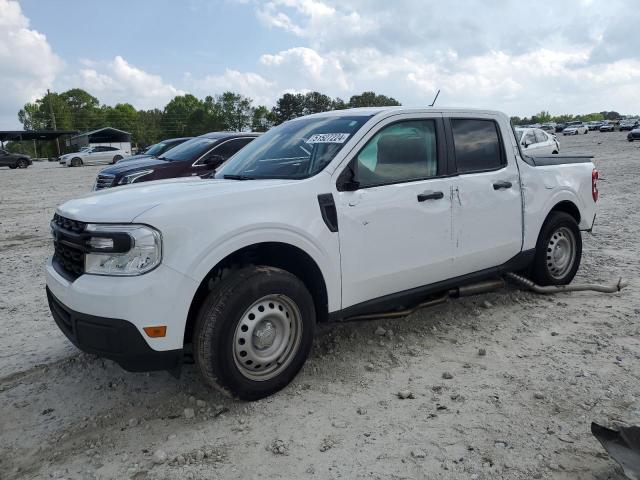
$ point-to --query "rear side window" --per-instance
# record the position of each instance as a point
(401, 152)
(477, 145)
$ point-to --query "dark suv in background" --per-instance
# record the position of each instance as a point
(157, 149)
(199, 156)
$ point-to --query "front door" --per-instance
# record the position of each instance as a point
(395, 222)
(487, 208)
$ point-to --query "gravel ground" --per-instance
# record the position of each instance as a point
(503, 385)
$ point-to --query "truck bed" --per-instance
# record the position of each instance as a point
(556, 160)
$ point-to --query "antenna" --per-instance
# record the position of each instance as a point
(435, 98)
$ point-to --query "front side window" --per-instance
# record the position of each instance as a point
(189, 150)
(401, 152)
(295, 150)
(529, 138)
(477, 145)
(228, 149)
(541, 137)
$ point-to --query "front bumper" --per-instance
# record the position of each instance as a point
(126, 305)
(111, 338)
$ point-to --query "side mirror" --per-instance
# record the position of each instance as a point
(346, 181)
(213, 160)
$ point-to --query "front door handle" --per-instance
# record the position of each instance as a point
(501, 185)
(430, 195)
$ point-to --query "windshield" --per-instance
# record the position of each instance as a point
(296, 149)
(189, 150)
(156, 149)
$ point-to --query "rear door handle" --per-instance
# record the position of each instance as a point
(501, 185)
(430, 195)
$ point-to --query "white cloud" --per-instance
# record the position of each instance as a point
(118, 81)
(252, 85)
(29, 64)
(304, 68)
(553, 55)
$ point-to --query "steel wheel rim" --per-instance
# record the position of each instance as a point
(561, 252)
(267, 337)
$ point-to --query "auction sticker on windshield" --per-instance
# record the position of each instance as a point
(328, 138)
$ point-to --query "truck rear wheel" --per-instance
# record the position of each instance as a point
(254, 331)
(558, 250)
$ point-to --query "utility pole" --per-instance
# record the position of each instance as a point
(53, 118)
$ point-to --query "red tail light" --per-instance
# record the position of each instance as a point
(594, 185)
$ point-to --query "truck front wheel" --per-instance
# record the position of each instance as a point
(558, 251)
(254, 331)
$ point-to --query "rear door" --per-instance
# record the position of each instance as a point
(216, 156)
(395, 221)
(487, 208)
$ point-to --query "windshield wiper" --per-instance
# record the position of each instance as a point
(237, 177)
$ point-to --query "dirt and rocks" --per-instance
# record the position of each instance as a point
(503, 385)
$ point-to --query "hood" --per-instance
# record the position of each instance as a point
(129, 166)
(125, 203)
(136, 157)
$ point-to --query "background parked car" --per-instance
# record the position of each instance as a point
(14, 160)
(575, 128)
(157, 149)
(607, 127)
(629, 124)
(549, 127)
(537, 142)
(93, 156)
(634, 134)
(198, 156)
(560, 127)
(594, 125)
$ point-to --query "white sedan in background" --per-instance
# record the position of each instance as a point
(100, 154)
(575, 129)
(535, 142)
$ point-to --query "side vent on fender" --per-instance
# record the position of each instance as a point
(328, 211)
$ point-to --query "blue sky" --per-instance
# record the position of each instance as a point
(565, 57)
(161, 36)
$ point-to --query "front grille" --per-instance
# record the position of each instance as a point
(104, 180)
(69, 246)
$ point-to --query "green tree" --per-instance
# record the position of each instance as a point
(288, 107)
(177, 113)
(262, 119)
(316, 102)
(371, 99)
(236, 111)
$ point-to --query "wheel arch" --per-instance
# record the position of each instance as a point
(566, 206)
(275, 254)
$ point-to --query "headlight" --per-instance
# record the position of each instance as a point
(132, 177)
(122, 250)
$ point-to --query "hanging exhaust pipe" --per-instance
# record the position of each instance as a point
(464, 291)
(486, 286)
(576, 287)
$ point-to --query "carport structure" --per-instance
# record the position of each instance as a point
(34, 135)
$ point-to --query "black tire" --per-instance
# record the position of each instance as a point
(22, 163)
(557, 229)
(76, 162)
(116, 159)
(225, 311)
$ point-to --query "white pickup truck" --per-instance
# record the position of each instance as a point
(325, 217)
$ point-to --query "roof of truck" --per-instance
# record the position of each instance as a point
(371, 111)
